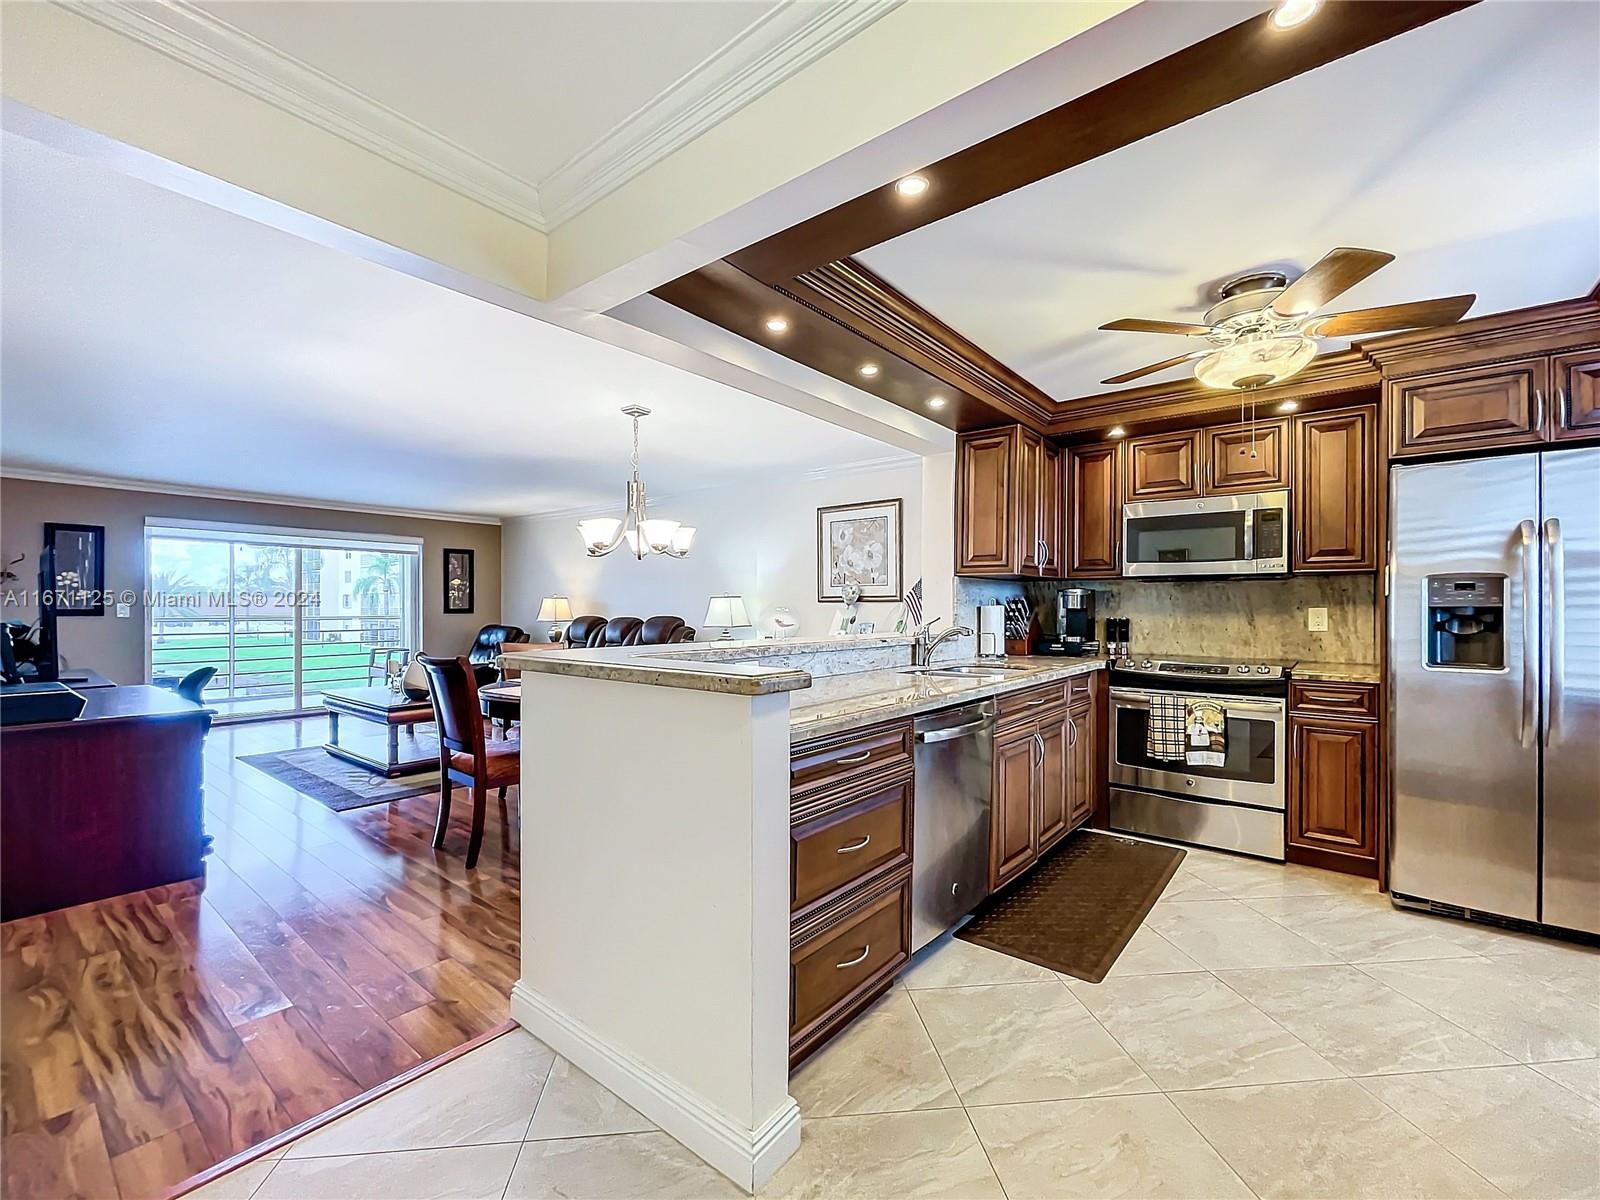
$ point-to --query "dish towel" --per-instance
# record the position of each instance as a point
(1164, 738)
(1206, 729)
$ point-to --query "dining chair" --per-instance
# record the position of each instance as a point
(466, 757)
(194, 683)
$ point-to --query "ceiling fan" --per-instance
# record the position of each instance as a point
(1263, 329)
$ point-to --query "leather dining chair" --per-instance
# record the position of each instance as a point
(486, 648)
(466, 757)
(581, 631)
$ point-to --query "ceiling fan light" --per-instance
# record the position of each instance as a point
(1290, 13)
(1255, 362)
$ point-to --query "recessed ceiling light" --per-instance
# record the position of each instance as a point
(912, 185)
(1289, 406)
(1116, 431)
(1290, 13)
(936, 401)
(867, 370)
(777, 324)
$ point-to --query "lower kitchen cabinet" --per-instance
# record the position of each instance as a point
(1333, 777)
(1044, 768)
(1012, 804)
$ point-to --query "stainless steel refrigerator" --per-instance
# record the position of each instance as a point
(1494, 628)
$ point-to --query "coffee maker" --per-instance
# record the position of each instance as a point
(1074, 625)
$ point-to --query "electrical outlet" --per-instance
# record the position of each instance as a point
(124, 610)
(1317, 620)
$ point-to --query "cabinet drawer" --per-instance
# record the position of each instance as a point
(1358, 700)
(1079, 687)
(845, 961)
(1031, 701)
(848, 755)
(842, 847)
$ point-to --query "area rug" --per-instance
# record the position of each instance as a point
(1076, 910)
(342, 785)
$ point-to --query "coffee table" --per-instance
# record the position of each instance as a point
(378, 706)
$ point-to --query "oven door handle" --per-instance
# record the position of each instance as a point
(1228, 703)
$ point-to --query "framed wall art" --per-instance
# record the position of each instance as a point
(458, 581)
(80, 568)
(860, 544)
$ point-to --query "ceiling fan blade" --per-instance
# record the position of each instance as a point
(1152, 368)
(1140, 325)
(1419, 314)
(1334, 273)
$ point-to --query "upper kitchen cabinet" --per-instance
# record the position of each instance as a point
(1009, 504)
(1335, 508)
(1095, 511)
(1164, 467)
(1576, 379)
(1471, 408)
(1252, 457)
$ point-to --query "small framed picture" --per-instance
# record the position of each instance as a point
(79, 553)
(862, 628)
(458, 581)
(859, 544)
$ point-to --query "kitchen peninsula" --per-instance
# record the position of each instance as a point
(706, 963)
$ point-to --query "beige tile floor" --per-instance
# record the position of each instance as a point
(1271, 1031)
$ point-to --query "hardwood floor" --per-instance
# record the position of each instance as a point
(149, 1036)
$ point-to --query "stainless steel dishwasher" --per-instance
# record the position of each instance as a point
(950, 842)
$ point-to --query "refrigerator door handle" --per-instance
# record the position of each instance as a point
(1530, 636)
(1556, 633)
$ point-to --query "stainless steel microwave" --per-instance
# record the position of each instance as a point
(1246, 534)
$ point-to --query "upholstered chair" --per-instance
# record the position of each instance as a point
(466, 757)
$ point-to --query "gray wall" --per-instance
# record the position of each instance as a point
(115, 646)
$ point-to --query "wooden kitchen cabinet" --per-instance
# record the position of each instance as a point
(1470, 408)
(1044, 780)
(1011, 820)
(1576, 378)
(1334, 499)
(1333, 777)
(1009, 506)
(1247, 458)
(1094, 502)
(1083, 765)
(1163, 467)
(1055, 782)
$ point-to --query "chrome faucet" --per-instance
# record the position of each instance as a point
(922, 649)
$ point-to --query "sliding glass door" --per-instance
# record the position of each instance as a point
(281, 616)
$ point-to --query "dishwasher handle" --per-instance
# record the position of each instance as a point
(928, 736)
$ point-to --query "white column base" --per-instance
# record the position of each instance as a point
(749, 1157)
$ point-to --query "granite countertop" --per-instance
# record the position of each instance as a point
(1328, 672)
(842, 702)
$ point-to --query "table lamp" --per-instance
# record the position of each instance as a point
(558, 611)
(727, 613)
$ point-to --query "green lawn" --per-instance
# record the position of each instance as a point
(264, 659)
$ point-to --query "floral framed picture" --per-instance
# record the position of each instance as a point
(860, 544)
(79, 554)
(458, 581)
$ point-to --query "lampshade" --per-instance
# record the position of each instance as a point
(658, 534)
(555, 608)
(598, 532)
(1255, 362)
(727, 612)
(683, 539)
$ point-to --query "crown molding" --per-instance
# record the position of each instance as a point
(197, 39)
(764, 55)
(151, 487)
(780, 45)
(1513, 334)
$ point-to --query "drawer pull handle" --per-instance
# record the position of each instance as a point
(1039, 701)
(865, 950)
(854, 759)
(854, 846)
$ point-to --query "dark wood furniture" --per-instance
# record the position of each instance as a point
(103, 805)
(501, 703)
(391, 711)
(1164, 467)
(465, 756)
(851, 807)
(1044, 773)
(1094, 510)
(1521, 402)
(1250, 457)
(1335, 498)
(1333, 776)
(1010, 509)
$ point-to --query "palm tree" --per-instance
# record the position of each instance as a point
(379, 585)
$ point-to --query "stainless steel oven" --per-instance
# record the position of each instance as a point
(1246, 534)
(1238, 805)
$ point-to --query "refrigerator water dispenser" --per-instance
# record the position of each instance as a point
(1465, 622)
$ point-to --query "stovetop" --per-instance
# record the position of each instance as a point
(1195, 669)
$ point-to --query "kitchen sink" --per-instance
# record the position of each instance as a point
(963, 669)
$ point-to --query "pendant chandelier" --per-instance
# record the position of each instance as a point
(642, 534)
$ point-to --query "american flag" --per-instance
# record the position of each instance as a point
(914, 605)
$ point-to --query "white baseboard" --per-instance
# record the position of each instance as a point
(747, 1156)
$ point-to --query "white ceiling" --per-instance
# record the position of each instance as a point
(150, 336)
(537, 108)
(1469, 148)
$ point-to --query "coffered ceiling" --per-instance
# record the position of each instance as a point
(536, 109)
(1453, 147)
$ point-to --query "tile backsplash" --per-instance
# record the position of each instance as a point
(1213, 618)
